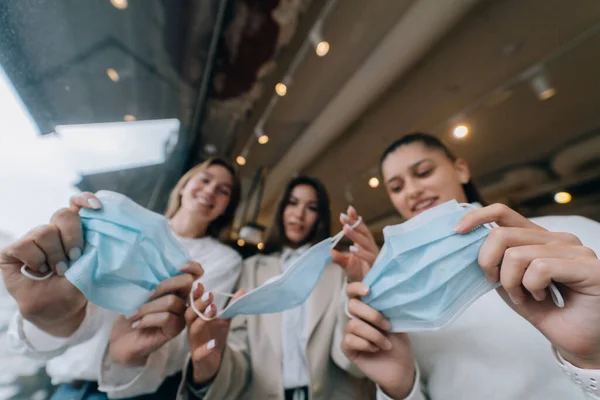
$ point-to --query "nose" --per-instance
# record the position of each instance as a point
(211, 188)
(412, 189)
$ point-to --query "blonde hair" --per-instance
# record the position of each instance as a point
(223, 221)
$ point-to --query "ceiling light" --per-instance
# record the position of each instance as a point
(374, 182)
(260, 246)
(241, 160)
(562, 197)
(261, 135)
(129, 118)
(241, 242)
(120, 4)
(542, 87)
(322, 48)
(281, 89)
(264, 139)
(316, 38)
(460, 131)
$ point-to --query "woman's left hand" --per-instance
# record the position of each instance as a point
(531, 258)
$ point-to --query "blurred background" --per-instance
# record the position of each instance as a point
(126, 95)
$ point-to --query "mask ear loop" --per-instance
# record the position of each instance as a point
(33, 277)
(557, 297)
(336, 239)
(201, 315)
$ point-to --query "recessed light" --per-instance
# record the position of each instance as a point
(281, 89)
(120, 4)
(563, 197)
(240, 160)
(374, 182)
(460, 131)
(129, 118)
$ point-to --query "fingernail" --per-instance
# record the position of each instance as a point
(205, 296)
(44, 268)
(352, 209)
(364, 290)
(345, 217)
(459, 227)
(538, 295)
(135, 324)
(354, 249)
(387, 325)
(489, 278)
(75, 253)
(514, 299)
(61, 268)
(95, 204)
(349, 227)
(208, 309)
(211, 344)
(387, 345)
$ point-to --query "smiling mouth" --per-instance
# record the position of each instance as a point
(205, 203)
(424, 204)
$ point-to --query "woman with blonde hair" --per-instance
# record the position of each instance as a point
(201, 207)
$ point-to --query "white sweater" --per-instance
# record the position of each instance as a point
(492, 353)
(79, 357)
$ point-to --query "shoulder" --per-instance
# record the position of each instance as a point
(587, 230)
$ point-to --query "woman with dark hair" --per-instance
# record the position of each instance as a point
(512, 342)
(291, 355)
(201, 207)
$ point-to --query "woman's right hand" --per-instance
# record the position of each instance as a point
(207, 339)
(363, 251)
(384, 357)
(54, 304)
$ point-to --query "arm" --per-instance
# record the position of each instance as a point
(27, 339)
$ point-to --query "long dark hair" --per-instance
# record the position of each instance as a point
(431, 142)
(276, 238)
(223, 221)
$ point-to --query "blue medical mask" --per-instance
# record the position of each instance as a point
(128, 251)
(426, 274)
(285, 291)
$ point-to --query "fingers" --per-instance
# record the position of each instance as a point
(194, 269)
(85, 200)
(202, 300)
(25, 251)
(362, 311)
(237, 295)
(363, 254)
(493, 250)
(339, 258)
(570, 272)
(356, 290)
(366, 332)
(354, 344)
(170, 303)
(181, 285)
(158, 320)
(204, 351)
(498, 213)
(47, 238)
(69, 226)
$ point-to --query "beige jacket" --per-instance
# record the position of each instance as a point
(251, 366)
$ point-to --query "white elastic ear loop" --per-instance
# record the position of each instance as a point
(336, 239)
(204, 317)
(557, 297)
(33, 277)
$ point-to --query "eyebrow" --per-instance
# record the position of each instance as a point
(412, 167)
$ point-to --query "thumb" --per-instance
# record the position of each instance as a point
(238, 294)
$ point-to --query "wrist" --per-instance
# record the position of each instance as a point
(401, 389)
(63, 327)
(201, 378)
(583, 362)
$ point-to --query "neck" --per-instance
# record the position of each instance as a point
(188, 225)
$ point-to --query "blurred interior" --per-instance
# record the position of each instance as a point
(178, 82)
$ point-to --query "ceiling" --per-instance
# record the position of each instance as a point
(478, 73)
